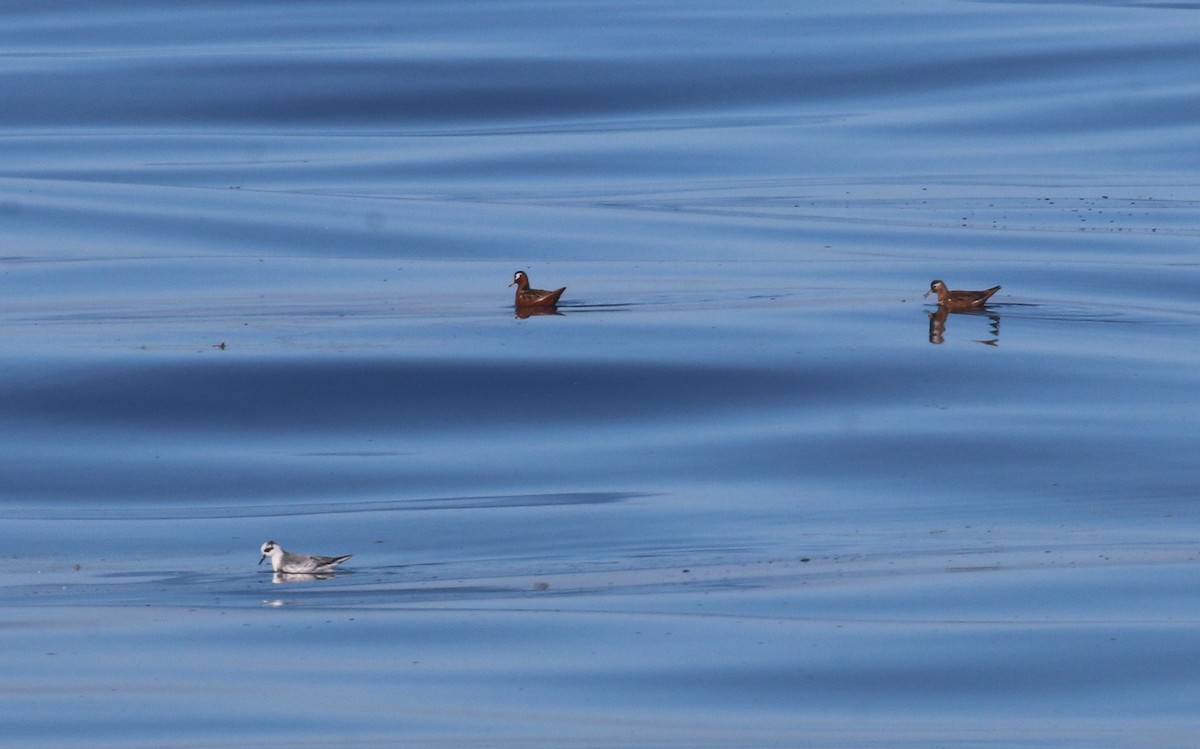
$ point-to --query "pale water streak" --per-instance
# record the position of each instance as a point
(746, 489)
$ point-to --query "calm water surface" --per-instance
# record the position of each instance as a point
(745, 489)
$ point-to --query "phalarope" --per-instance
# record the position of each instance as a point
(959, 299)
(286, 561)
(528, 298)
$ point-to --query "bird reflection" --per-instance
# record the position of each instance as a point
(524, 312)
(296, 577)
(937, 324)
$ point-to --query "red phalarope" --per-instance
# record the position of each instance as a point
(286, 561)
(959, 300)
(531, 299)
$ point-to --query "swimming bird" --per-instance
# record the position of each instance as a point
(286, 561)
(528, 298)
(959, 299)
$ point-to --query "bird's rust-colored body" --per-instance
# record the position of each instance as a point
(957, 299)
(533, 299)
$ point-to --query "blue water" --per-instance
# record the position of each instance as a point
(745, 489)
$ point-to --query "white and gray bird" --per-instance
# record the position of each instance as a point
(286, 561)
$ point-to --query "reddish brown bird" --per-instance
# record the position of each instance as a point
(959, 299)
(528, 298)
